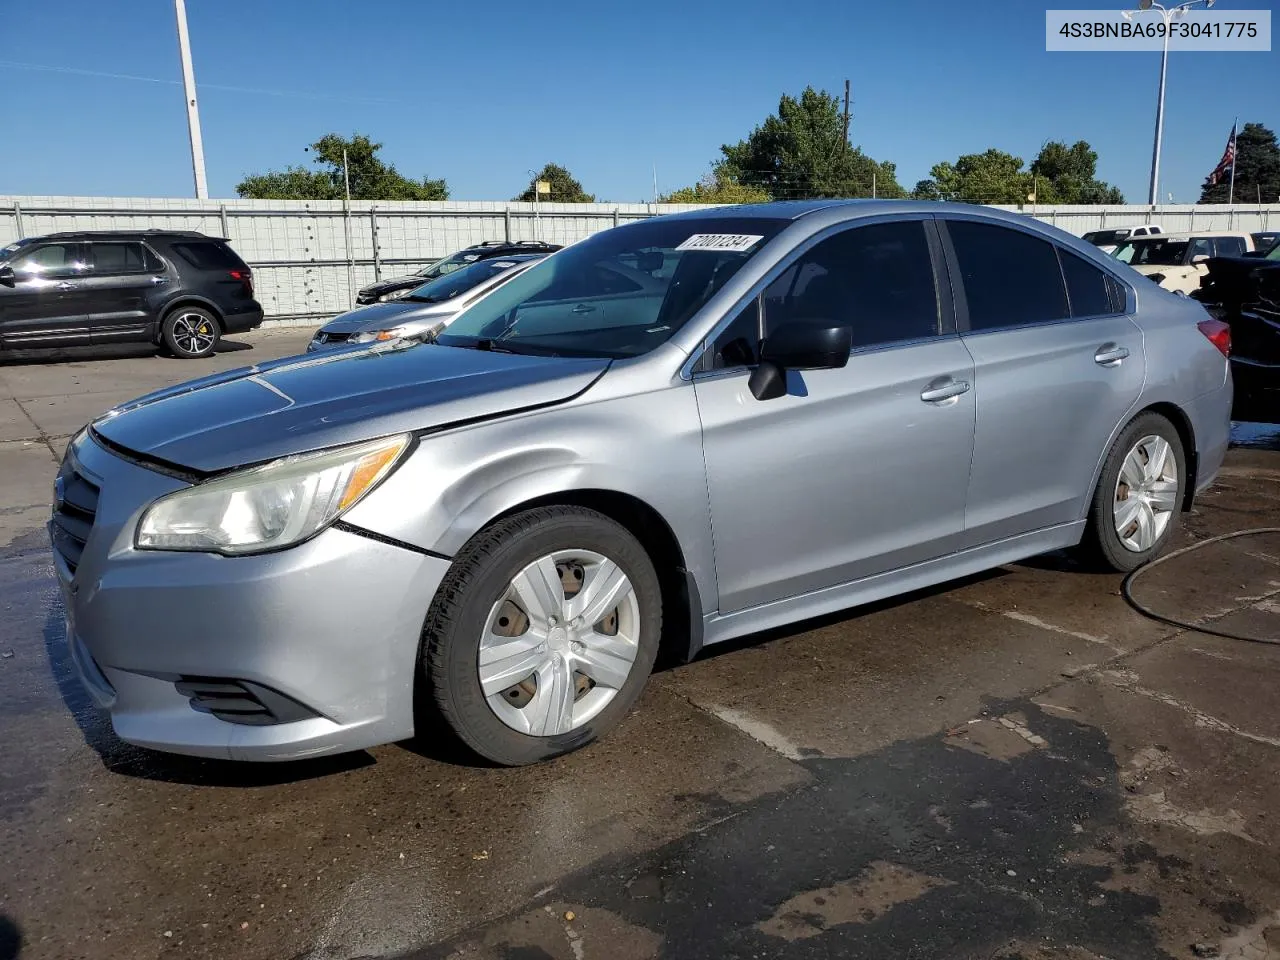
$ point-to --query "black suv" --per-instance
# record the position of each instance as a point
(179, 288)
(396, 287)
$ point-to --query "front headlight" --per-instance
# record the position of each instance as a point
(269, 507)
(370, 336)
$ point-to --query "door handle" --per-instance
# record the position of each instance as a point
(66, 286)
(583, 308)
(1110, 355)
(159, 280)
(944, 389)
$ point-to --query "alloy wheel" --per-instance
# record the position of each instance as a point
(193, 332)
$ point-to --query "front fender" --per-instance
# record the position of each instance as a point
(647, 446)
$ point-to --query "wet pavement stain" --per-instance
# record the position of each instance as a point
(986, 840)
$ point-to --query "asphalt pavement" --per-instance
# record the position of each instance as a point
(1017, 765)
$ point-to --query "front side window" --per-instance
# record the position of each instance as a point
(1200, 247)
(1011, 278)
(877, 279)
(50, 261)
(619, 293)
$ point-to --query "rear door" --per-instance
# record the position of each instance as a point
(1058, 365)
(46, 304)
(124, 278)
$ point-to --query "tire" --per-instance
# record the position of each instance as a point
(480, 596)
(190, 332)
(1103, 543)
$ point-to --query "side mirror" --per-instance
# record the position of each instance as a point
(1199, 258)
(800, 345)
(6, 277)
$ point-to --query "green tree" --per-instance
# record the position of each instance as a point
(371, 178)
(990, 177)
(801, 151)
(1257, 169)
(564, 188)
(1069, 175)
(717, 188)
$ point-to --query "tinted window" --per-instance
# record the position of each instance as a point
(1200, 247)
(1116, 294)
(1231, 247)
(50, 260)
(1010, 277)
(116, 257)
(208, 256)
(877, 279)
(1086, 286)
(458, 281)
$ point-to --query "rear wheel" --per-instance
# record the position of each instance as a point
(190, 332)
(1135, 507)
(543, 634)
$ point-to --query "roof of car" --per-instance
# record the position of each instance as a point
(126, 235)
(1192, 234)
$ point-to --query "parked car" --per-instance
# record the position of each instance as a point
(1177, 261)
(1108, 240)
(507, 524)
(396, 287)
(177, 288)
(1245, 293)
(1266, 240)
(425, 310)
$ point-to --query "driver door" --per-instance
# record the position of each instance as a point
(855, 471)
(47, 301)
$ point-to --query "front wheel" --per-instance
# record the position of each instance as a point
(190, 332)
(1135, 506)
(542, 634)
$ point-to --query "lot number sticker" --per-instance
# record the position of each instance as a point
(733, 242)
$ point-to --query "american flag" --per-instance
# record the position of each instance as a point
(1227, 163)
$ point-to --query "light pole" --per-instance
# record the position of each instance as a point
(1168, 15)
(189, 95)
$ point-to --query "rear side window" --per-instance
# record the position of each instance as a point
(1010, 278)
(1231, 246)
(1086, 286)
(208, 256)
(113, 258)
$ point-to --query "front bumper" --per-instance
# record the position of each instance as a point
(332, 625)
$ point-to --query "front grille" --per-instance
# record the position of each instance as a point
(241, 701)
(74, 507)
(332, 337)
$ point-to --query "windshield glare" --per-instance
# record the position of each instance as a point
(447, 266)
(458, 281)
(619, 293)
(1153, 251)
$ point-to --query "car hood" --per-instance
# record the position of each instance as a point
(298, 404)
(391, 283)
(381, 316)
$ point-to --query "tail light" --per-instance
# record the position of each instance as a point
(245, 277)
(1218, 333)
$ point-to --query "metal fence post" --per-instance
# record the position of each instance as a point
(616, 219)
(17, 217)
(506, 217)
(373, 236)
(226, 223)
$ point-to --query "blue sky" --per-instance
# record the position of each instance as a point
(480, 93)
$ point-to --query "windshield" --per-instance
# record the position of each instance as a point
(1152, 251)
(11, 249)
(619, 293)
(459, 281)
(447, 266)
